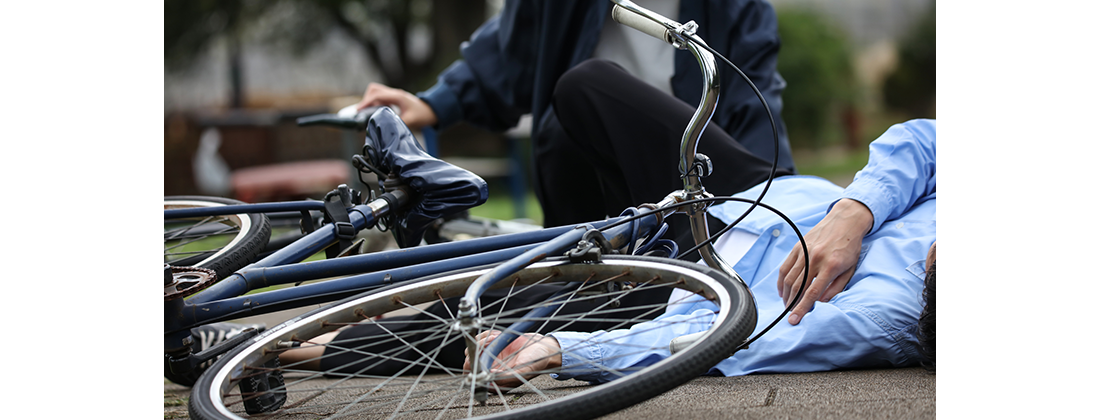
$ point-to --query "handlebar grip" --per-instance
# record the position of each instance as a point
(331, 120)
(641, 23)
(354, 120)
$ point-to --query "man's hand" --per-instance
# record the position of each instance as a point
(834, 251)
(529, 355)
(415, 113)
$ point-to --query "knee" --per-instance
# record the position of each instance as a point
(591, 72)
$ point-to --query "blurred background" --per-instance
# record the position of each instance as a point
(237, 73)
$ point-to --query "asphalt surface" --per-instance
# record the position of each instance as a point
(908, 393)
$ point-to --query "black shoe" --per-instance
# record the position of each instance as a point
(207, 336)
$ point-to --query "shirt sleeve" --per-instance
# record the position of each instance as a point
(900, 172)
(491, 86)
(604, 356)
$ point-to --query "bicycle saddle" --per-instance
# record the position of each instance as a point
(439, 188)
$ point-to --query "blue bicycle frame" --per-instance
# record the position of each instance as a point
(225, 300)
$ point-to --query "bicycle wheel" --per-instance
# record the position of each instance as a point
(251, 379)
(221, 243)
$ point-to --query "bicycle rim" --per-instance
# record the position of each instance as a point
(426, 389)
(222, 243)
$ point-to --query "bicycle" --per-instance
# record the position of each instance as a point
(587, 276)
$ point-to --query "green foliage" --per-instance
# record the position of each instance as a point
(382, 28)
(191, 26)
(500, 206)
(816, 61)
(912, 87)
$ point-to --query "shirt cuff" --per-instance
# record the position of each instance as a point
(872, 194)
(577, 356)
(444, 103)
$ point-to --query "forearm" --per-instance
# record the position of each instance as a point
(593, 356)
(489, 87)
(900, 171)
(853, 214)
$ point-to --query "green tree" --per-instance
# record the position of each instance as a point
(382, 28)
(911, 88)
(190, 27)
(816, 60)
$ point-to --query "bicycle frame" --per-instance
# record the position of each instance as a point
(693, 167)
(224, 300)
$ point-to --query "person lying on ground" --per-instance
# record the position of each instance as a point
(871, 302)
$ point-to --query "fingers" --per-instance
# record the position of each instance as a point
(789, 273)
(833, 246)
(823, 286)
(414, 112)
(381, 95)
(482, 339)
(793, 284)
(369, 97)
(528, 356)
(837, 285)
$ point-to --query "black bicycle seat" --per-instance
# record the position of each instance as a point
(439, 188)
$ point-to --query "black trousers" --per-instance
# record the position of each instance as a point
(375, 339)
(611, 142)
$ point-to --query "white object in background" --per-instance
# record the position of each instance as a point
(212, 174)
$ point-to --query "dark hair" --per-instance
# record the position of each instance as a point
(926, 325)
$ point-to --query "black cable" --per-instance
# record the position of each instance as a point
(757, 202)
(801, 241)
(775, 158)
(754, 203)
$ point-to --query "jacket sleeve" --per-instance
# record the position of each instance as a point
(491, 86)
(747, 32)
(900, 172)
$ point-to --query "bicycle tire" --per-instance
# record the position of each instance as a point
(216, 395)
(234, 242)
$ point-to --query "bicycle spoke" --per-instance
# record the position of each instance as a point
(396, 367)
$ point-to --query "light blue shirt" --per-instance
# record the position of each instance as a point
(872, 323)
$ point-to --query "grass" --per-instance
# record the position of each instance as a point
(835, 164)
(501, 206)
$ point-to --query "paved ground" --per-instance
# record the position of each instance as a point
(866, 394)
(870, 394)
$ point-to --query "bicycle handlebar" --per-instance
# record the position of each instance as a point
(652, 24)
(347, 118)
(627, 13)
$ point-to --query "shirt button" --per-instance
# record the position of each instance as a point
(900, 225)
(775, 233)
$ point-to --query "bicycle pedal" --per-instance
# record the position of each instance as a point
(264, 391)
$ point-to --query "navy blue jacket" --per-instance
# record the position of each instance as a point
(512, 62)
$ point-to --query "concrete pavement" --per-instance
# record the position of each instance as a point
(856, 395)
(908, 393)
